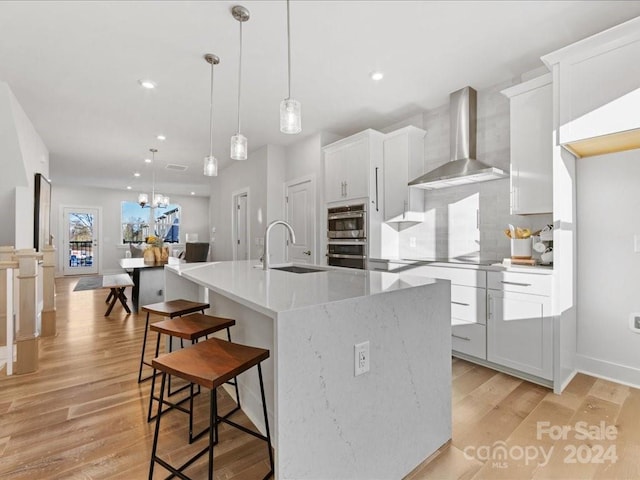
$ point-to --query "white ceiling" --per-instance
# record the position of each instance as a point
(75, 66)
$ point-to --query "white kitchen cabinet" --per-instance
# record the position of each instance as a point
(353, 168)
(597, 89)
(468, 307)
(531, 146)
(520, 325)
(403, 161)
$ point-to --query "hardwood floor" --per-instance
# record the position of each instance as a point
(83, 416)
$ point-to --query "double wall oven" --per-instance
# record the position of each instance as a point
(347, 236)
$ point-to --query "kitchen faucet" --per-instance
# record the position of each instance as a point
(265, 256)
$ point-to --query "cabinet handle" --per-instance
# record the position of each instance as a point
(342, 189)
(460, 303)
(345, 189)
(489, 306)
(377, 189)
(467, 339)
(515, 283)
(404, 209)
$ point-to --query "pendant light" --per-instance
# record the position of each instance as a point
(211, 162)
(239, 141)
(290, 109)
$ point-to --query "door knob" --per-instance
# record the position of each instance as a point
(308, 252)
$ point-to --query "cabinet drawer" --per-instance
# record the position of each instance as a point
(535, 284)
(470, 339)
(458, 276)
(468, 304)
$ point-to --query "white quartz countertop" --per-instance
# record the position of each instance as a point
(273, 291)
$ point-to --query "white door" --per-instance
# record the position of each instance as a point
(301, 215)
(81, 234)
(241, 234)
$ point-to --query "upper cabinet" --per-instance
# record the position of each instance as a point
(403, 161)
(531, 146)
(353, 168)
(597, 89)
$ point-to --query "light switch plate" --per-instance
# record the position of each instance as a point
(636, 243)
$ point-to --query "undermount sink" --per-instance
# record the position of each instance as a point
(296, 269)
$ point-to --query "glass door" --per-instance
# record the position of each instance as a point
(81, 233)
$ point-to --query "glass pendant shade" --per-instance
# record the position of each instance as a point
(239, 147)
(143, 199)
(290, 116)
(160, 200)
(210, 166)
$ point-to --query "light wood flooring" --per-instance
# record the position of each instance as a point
(83, 416)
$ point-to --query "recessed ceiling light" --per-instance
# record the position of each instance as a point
(161, 137)
(136, 174)
(193, 193)
(147, 84)
(377, 76)
(128, 187)
(147, 160)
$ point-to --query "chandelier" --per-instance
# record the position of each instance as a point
(158, 200)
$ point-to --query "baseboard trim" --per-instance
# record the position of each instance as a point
(613, 372)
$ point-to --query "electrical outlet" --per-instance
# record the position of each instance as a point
(361, 358)
(412, 241)
(636, 243)
(634, 322)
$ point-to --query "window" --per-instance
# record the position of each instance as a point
(138, 224)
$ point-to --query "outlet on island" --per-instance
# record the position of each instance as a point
(361, 358)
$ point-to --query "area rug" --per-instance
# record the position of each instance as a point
(88, 283)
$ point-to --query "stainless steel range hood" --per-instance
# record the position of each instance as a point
(463, 167)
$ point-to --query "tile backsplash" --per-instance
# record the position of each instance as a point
(469, 219)
(466, 221)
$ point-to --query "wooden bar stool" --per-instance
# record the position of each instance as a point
(172, 308)
(191, 327)
(209, 364)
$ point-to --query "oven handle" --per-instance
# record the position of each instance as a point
(337, 255)
(340, 216)
(347, 241)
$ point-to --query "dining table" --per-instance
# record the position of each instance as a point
(148, 280)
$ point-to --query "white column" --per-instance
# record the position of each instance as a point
(49, 292)
(27, 320)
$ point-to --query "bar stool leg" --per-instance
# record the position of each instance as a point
(157, 429)
(266, 422)
(235, 380)
(213, 428)
(144, 346)
(153, 387)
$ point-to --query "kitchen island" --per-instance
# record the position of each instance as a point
(325, 421)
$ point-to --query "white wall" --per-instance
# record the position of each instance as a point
(608, 286)
(249, 174)
(194, 219)
(23, 154)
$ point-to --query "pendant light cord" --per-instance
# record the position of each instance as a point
(211, 115)
(289, 49)
(153, 177)
(239, 76)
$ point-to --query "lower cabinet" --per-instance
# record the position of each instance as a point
(470, 339)
(520, 329)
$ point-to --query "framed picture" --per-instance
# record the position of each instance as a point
(42, 212)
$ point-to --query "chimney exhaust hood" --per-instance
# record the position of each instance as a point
(463, 167)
